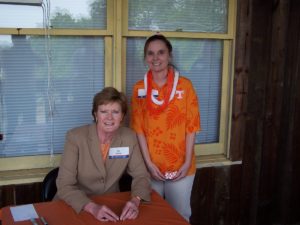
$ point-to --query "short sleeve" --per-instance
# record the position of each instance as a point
(193, 114)
(137, 118)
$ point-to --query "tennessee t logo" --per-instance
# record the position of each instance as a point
(179, 94)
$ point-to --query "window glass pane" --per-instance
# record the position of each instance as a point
(11, 16)
(45, 93)
(63, 14)
(179, 15)
(78, 14)
(198, 60)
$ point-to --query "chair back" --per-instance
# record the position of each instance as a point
(125, 182)
(49, 185)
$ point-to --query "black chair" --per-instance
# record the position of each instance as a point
(49, 185)
(125, 182)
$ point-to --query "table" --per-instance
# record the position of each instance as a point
(158, 212)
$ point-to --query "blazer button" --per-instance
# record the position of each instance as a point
(102, 180)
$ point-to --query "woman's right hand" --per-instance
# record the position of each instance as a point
(101, 212)
(155, 172)
(153, 169)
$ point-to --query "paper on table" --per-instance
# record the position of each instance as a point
(23, 212)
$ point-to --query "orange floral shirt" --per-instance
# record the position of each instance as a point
(165, 132)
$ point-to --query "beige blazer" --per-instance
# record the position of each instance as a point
(83, 173)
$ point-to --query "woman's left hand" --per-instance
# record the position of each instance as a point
(182, 172)
(131, 209)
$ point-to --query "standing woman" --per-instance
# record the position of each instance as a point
(165, 115)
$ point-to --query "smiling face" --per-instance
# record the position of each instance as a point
(157, 56)
(109, 117)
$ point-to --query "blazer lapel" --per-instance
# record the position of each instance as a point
(94, 148)
(112, 164)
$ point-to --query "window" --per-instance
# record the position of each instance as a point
(52, 62)
(55, 56)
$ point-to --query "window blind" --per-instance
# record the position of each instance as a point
(42, 98)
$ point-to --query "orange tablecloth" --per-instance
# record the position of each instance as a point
(158, 212)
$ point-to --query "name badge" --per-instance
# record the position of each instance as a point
(141, 93)
(118, 153)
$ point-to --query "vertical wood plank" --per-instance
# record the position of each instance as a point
(221, 194)
(216, 195)
(7, 195)
(261, 22)
(29, 193)
(272, 114)
(239, 99)
(287, 203)
(202, 197)
(233, 206)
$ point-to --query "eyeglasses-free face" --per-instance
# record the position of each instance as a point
(157, 56)
(109, 117)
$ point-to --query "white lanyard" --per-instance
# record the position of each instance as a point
(153, 98)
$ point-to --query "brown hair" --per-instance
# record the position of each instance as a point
(156, 37)
(109, 95)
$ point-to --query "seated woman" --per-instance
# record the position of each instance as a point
(95, 157)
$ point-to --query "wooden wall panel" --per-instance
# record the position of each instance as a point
(202, 197)
(253, 200)
(7, 195)
(241, 70)
(20, 194)
(270, 171)
(287, 198)
(216, 196)
(30, 193)
(274, 96)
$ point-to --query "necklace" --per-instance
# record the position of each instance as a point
(172, 81)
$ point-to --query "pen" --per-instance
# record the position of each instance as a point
(44, 221)
(33, 221)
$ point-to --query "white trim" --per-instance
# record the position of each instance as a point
(22, 2)
(218, 164)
